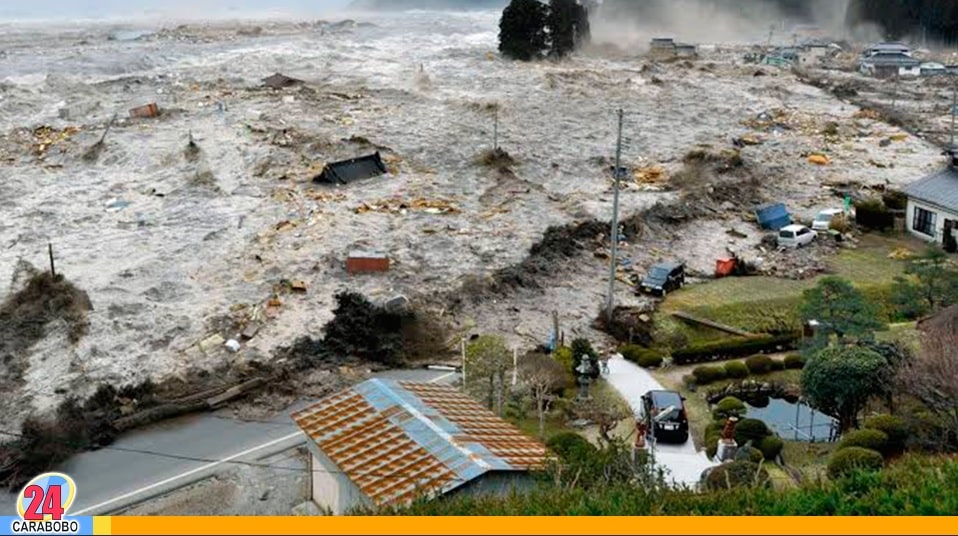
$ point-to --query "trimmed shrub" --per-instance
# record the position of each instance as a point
(728, 407)
(778, 365)
(736, 370)
(894, 428)
(794, 362)
(708, 374)
(873, 214)
(689, 381)
(752, 430)
(732, 348)
(643, 357)
(570, 446)
(895, 200)
(867, 439)
(755, 455)
(771, 447)
(847, 461)
(759, 364)
(564, 355)
(714, 427)
(737, 474)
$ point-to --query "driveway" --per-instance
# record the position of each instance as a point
(683, 464)
(166, 456)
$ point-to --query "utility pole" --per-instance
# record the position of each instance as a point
(495, 135)
(53, 268)
(954, 104)
(613, 264)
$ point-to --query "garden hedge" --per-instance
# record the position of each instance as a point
(641, 356)
(732, 348)
(737, 474)
(736, 370)
(847, 461)
(894, 428)
(752, 430)
(794, 362)
(759, 364)
(771, 446)
(868, 439)
(707, 374)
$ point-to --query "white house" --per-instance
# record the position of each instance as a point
(933, 205)
(384, 443)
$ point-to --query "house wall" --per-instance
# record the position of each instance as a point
(331, 488)
(498, 483)
(941, 216)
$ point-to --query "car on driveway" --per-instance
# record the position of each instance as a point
(795, 236)
(663, 278)
(665, 416)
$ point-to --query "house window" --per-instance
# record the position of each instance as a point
(924, 222)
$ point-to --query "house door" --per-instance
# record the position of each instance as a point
(950, 240)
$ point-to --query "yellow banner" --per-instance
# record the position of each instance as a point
(743, 526)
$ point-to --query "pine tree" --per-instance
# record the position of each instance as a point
(563, 15)
(522, 34)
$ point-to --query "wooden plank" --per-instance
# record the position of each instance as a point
(714, 325)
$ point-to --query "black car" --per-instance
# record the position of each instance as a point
(665, 416)
(663, 278)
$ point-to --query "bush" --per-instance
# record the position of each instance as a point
(752, 430)
(771, 447)
(847, 461)
(570, 446)
(867, 439)
(564, 355)
(794, 362)
(728, 407)
(362, 329)
(643, 357)
(873, 214)
(895, 200)
(736, 370)
(777, 365)
(708, 374)
(737, 474)
(732, 348)
(755, 455)
(894, 428)
(759, 364)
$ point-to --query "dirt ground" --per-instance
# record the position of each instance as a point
(275, 486)
(175, 246)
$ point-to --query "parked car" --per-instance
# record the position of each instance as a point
(795, 236)
(663, 278)
(823, 221)
(665, 416)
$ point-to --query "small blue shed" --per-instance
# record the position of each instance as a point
(773, 217)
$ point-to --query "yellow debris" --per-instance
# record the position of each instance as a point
(819, 159)
(650, 175)
(433, 206)
(901, 254)
(898, 137)
(867, 114)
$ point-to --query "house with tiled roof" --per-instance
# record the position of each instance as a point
(933, 205)
(387, 443)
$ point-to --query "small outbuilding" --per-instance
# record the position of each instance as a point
(387, 443)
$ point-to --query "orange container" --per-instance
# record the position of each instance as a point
(363, 263)
(724, 267)
(146, 111)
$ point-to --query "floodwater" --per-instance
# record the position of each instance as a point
(795, 422)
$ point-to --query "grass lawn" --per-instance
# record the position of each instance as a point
(810, 459)
(761, 304)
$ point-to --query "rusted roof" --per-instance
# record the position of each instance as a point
(400, 440)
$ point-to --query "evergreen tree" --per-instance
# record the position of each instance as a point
(562, 22)
(522, 34)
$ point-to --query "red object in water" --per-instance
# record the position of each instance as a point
(725, 267)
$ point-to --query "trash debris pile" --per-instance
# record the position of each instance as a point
(399, 206)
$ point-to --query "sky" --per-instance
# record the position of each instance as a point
(65, 10)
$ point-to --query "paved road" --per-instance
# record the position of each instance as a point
(683, 463)
(178, 452)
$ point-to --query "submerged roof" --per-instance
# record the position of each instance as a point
(893, 58)
(939, 188)
(399, 440)
(280, 81)
(355, 169)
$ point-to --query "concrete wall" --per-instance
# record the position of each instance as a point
(941, 216)
(331, 488)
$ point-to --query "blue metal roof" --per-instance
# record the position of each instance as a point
(399, 440)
